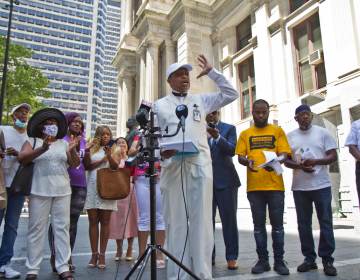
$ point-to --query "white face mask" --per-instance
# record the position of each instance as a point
(51, 130)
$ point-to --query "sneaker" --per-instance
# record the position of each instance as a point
(306, 266)
(8, 273)
(329, 269)
(260, 267)
(281, 268)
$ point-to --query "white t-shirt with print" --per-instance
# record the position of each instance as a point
(13, 139)
(306, 144)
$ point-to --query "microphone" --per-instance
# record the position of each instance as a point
(181, 112)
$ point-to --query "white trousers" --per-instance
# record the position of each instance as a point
(142, 188)
(198, 190)
(40, 207)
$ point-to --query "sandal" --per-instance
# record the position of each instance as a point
(67, 275)
(118, 256)
(94, 259)
(129, 255)
(101, 263)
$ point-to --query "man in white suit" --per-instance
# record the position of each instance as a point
(194, 185)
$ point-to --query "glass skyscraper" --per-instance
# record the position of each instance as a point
(110, 86)
(73, 43)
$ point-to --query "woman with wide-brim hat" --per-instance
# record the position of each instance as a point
(50, 191)
(77, 182)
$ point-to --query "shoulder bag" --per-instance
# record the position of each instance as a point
(113, 184)
(21, 184)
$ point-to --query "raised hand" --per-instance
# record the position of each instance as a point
(46, 143)
(214, 132)
(204, 65)
(89, 146)
(73, 142)
(107, 151)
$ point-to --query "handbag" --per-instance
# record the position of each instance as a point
(113, 184)
(21, 184)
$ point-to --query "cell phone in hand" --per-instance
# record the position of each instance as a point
(211, 125)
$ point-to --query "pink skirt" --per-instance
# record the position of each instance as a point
(118, 229)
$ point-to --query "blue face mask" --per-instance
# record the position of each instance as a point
(20, 124)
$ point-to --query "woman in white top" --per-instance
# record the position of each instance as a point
(50, 191)
(98, 155)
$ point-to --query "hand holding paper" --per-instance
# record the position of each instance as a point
(186, 148)
(272, 161)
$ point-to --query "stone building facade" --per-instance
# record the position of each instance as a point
(285, 51)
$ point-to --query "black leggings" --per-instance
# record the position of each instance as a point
(78, 197)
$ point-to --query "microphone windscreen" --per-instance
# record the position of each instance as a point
(181, 111)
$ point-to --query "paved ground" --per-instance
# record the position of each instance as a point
(347, 257)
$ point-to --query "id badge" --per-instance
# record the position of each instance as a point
(196, 114)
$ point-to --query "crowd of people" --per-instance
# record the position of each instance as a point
(189, 189)
(64, 183)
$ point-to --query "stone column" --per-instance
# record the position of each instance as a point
(124, 102)
(142, 74)
(170, 52)
(262, 56)
(119, 120)
(128, 16)
(152, 71)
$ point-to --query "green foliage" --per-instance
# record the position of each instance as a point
(24, 83)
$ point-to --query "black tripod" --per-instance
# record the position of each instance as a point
(152, 247)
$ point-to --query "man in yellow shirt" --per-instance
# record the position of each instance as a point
(264, 186)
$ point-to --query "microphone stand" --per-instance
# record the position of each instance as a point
(152, 246)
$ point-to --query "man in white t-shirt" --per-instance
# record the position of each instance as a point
(15, 136)
(313, 149)
(353, 142)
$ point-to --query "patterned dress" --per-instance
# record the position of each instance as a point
(93, 200)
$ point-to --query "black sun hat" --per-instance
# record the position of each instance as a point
(34, 125)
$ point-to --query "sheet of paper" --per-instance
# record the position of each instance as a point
(273, 161)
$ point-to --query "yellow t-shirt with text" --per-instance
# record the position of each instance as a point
(251, 144)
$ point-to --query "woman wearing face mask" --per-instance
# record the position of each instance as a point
(98, 155)
(14, 138)
(51, 191)
(77, 182)
(123, 222)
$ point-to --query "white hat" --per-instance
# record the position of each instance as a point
(176, 66)
(27, 106)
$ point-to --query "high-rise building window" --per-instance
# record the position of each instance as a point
(247, 86)
(243, 33)
(309, 57)
(296, 4)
